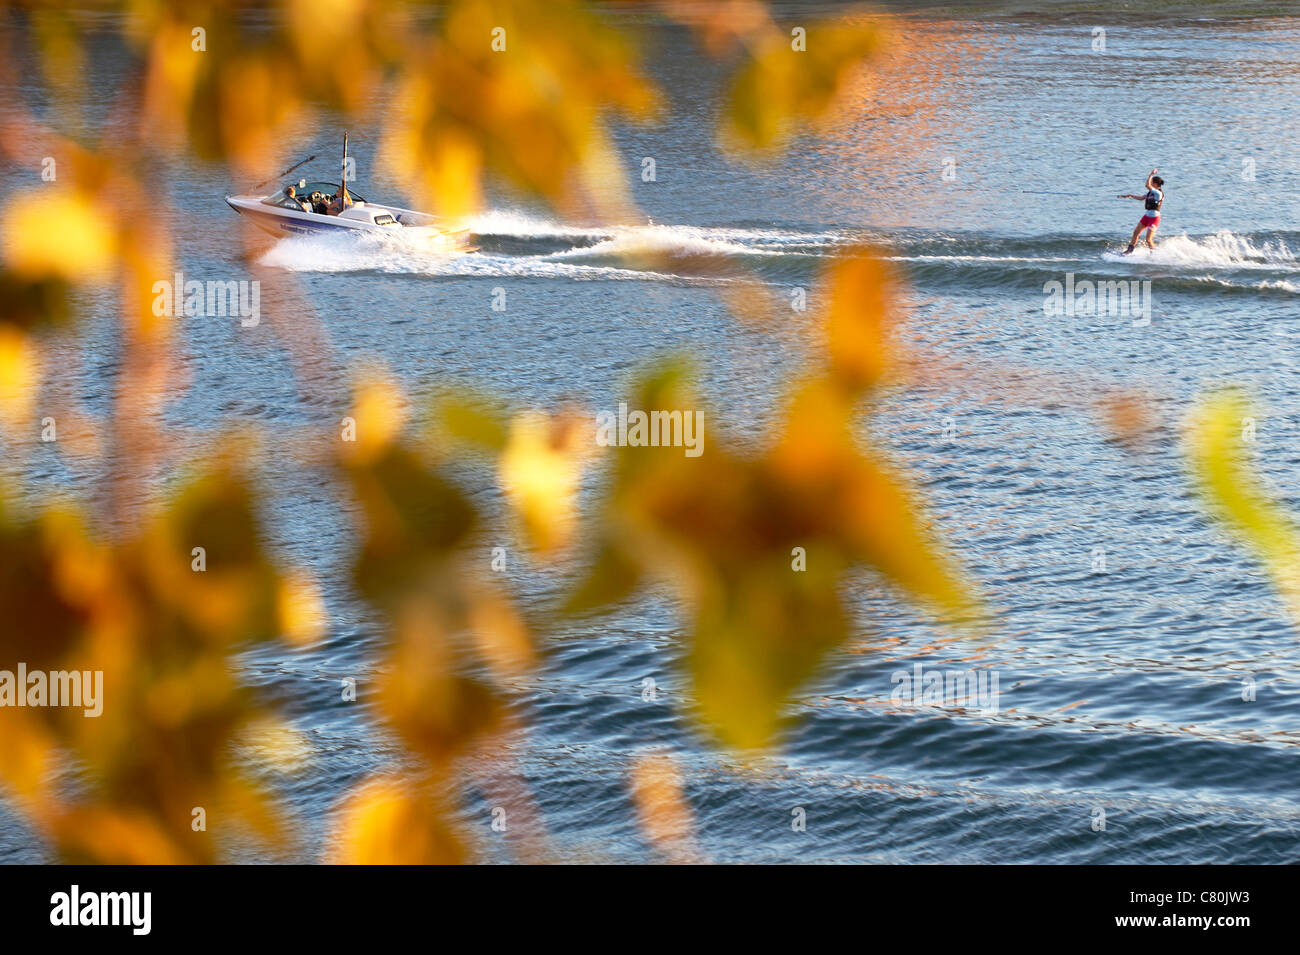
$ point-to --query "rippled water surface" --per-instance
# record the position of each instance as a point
(1125, 624)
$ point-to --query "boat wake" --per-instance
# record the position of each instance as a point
(1223, 250)
(516, 245)
(1223, 262)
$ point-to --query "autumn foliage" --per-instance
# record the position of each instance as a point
(105, 580)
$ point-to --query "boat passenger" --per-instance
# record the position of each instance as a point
(291, 193)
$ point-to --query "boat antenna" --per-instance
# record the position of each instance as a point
(343, 174)
(283, 174)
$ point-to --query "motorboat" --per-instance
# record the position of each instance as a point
(281, 214)
(311, 207)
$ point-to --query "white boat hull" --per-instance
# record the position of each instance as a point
(280, 221)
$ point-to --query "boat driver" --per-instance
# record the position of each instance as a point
(339, 201)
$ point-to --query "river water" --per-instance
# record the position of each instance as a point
(986, 164)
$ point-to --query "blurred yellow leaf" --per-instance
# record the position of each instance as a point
(507, 91)
(379, 416)
(545, 77)
(665, 815)
(439, 712)
(470, 421)
(757, 544)
(301, 609)
(501, 636)
(540, 470)
(861, 292)
(390, 822)
(27, 756)
(1229, 488)
(784, 89)
(116, 835)
(20, 376)
(81, 248)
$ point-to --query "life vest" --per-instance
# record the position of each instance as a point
(1153, 200)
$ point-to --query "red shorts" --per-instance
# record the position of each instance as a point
(1149, 222)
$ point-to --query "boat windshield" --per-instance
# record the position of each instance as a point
(326, 189)
(283, 201)
(304, 191)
